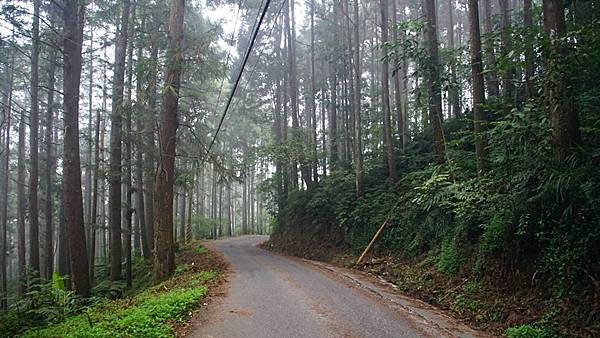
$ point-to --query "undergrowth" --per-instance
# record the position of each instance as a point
(526, 230)
(150, 312)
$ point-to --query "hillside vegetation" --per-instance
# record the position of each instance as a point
(519, 246)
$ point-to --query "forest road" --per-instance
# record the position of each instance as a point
(273, 296)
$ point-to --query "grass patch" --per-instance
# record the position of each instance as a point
(154, 312)
(148, 315)
(530, 331)
(201, 250)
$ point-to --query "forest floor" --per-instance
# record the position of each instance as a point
(270, 295)
(161, 310)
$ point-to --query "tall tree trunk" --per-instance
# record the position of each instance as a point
(385, 87)
(293, 87)
(34, 241)
(87, 206)
(49, 174)
(73, 14)
(245, 205)
(150, 147)
(313, 90)
(323, 128)
(22, 206)
(479, 114)
(509, 73)
(188, 225)
(277, 121)
(433, 80)
(349, 92)
(94, 216)
(559, 99)
(128, 209)
(358, 153)
(7, 112)
(98, 157)
(454, 91)
(63, 252)
(229, 210)
(333, 132)
(492, 83)
(396, 79)
(182, 205)
(114, 178)
(529, 56)
(164, 255)
(141, 239)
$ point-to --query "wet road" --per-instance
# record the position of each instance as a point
(272, 296)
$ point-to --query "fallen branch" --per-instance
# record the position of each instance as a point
(377, 234)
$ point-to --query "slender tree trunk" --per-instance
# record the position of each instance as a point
(559, 99)
(323, 128)
(277, 126)
(73, 14)
(141, 239)
(188, 225)
(293, 83)
(529, 56)
(22, 206)
(333, 140)
(49, 174)
(164, 255)
(114, 179)
(349, 92)
(509, 73)
(229, 210)
(63, 255)
(94, 216)
(433, 80)
(99, 144)
(313, 91)
(7, 112)
(385, 87)
(34, 241)
(358, 153)
(454, 91)
(245, 205)
(396, 79)
(140, 200)
(128, 209)
(182, 205)
(150, 151)
(87, 207)
(491, 80)
(479, 114)
(333, 129)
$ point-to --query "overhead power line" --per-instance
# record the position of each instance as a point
(228, 55)
(239, 76)
(249, 79)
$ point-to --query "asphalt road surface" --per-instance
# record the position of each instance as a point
(273, 296)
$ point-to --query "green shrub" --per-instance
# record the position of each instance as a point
(450, 258)
(149, 314)
(201, 250)
(530, 331)
(495, 234)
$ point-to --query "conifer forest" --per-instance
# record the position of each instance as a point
(154, 153)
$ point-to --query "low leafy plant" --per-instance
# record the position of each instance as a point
(201, 250)
(152, 313)
(530, 331)
(450, 258)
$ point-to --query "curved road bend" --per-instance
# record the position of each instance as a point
(272, 296)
